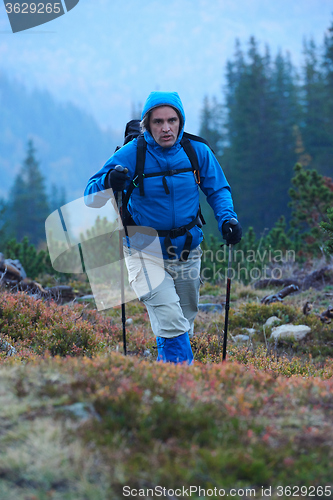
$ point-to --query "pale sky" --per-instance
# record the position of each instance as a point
(106, 55)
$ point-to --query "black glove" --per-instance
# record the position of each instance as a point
(116, 178)
(232, 231)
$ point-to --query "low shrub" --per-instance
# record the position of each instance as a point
(42, 327)
(227, 424)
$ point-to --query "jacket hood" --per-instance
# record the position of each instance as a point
(156, 99)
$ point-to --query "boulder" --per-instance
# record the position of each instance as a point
(85, 298)
(241, 338)
(210, 298)
(6, 346)
(17, 265)
(12, 269)
(297, 332)
(80, 411)
(249, 331)
(271, 321)
(210, 307)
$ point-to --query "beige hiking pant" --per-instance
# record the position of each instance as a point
(169, 289)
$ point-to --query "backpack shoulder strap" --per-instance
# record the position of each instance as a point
(189, 150)
(139, 170)
(140, 163)
(196, 138)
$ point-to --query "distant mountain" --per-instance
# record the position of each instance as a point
(70, 145)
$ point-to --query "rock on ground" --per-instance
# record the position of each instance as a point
(249, 331)
(241, 338)
(271, 320)
(297, 332)
(210, 307)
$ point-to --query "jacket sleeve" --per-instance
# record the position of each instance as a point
(95, 195)
(215, 185)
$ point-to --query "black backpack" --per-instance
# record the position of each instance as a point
(133, 131)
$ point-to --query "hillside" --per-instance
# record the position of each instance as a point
(70, 145)
(80, 421)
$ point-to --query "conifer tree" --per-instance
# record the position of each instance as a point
(28, 205)
(3, 224)
(262, 108)
(212, 125)
(311, 197)
(326, 160)
(312, 131)
(328, 228)
(32, 261)
(57, 197)
(280, 238)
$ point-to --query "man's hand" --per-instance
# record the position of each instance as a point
(116, 178)
(232, 231)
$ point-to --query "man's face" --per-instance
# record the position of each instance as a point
(164, 126)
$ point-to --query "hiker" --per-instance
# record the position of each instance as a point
(166, 198)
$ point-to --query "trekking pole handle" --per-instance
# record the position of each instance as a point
(232, 222)
(120, 168)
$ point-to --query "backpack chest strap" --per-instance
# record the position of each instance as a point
(141, 157)
(168, 173)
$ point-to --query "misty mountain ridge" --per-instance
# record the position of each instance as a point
(70, 145)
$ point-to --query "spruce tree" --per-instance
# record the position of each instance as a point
(57, 197)
(286, 113)
(32, 261)
(245, 102)
(3, 224)
(311, 198)
(28, 204)
(313, 134)
(211, 127)
(327, 157)
(262, 108)
(328, 229)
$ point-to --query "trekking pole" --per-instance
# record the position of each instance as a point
(227, 303)
(232, 222)
(121, 259)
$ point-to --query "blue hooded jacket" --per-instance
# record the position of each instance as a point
(156, 208)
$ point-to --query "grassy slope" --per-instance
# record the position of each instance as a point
(261, 419)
